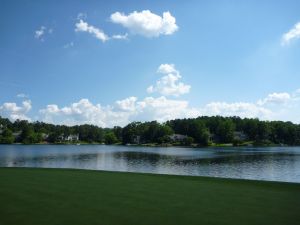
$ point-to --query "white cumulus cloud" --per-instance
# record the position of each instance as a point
(40, 33)
(12, 111)
(292, 34)
(120, 36)
(22, 95)
(241, 109)
(148, 109)
(84, 112)
(163, 109)
(169, 84)
(127, 104)
(167, 68)
(82, 26)
(160, 108)
(275, 98)
(146, 23)
(123, 112)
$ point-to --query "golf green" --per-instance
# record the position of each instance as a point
(66, 196)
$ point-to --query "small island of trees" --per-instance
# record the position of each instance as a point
(201, 131)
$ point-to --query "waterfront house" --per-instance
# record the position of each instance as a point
(239, 135)
(177, 137)
(137, 139)
(72, 137)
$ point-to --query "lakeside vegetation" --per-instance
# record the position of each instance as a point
(201, 131)
(63, 196)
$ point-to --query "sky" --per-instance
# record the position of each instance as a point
(109, 63)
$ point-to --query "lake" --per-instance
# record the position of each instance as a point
(268, 163)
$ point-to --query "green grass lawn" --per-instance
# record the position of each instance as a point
(59, 196)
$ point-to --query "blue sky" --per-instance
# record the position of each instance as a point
(63, 63)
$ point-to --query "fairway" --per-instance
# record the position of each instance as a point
(63, 196)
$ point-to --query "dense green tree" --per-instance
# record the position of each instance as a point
(5, 123)
(263, 131)
(89, 133)
(164, 139)
(110, 138)
(201, 130)
(250, 128)
(118, 132)
(130, 132)
(53, 137)
(152, 131)
(225, 131)
(187, 141)
(28, 136)
(7, 137)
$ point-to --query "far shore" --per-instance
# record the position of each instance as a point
(231, 145)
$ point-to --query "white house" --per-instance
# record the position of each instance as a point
(17, 134)
(239, 135)
(137, 139)
(177, 137)
(72, 137)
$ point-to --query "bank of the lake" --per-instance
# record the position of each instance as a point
(213, 145)
(63, 196)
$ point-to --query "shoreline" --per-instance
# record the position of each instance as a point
(162, 146)
(154, 174)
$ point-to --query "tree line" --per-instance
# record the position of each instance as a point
(201, 131)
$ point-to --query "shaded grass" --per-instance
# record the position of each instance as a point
(62, 196)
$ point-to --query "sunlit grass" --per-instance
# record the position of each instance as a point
(61, 196)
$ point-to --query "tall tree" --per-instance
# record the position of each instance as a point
(7, 137)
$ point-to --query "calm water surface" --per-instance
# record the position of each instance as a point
(272, 163)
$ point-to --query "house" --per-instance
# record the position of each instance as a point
(61, 137)
(212, 138)
(239, 135)
(44, 136)
(72, 137)
(177, 137)
(137, 139)
(17, 134)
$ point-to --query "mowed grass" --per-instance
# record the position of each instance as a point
(62, 196)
